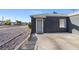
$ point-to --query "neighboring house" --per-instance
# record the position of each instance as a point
(13, 23)
(1, 22)
(24, 23)
(50, 23)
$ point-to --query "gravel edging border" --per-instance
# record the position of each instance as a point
(16, 48)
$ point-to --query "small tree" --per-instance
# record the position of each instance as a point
(7, 22)
(18, 22)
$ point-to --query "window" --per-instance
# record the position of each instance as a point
(62, 23)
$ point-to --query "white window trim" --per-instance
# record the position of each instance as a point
(42, 24)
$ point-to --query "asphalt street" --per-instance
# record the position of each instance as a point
(10, 37)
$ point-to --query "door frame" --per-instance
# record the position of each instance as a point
(42, 24)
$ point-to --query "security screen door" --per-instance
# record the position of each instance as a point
(62, 25)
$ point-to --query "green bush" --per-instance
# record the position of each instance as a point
(30, 25)
(7, 22)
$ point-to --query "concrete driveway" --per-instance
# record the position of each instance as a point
(57, 41)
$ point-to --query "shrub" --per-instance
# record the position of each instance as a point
(7, 22)
(30, 25)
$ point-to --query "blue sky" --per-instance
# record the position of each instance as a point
(24, 14)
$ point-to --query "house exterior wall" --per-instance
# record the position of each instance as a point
(33, 20)
(51, 24)
(1, 22)
(75, 24)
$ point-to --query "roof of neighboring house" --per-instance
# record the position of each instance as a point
(44, 15)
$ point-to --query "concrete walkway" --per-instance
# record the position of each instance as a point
(57, 41)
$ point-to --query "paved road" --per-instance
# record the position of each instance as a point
(63, 41)
(10, 37)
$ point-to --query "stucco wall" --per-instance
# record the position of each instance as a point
(75, 24)
(33, 20)
(52, 24)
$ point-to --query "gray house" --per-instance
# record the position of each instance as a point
(54, 23)
(1, 22)
(50, 23)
